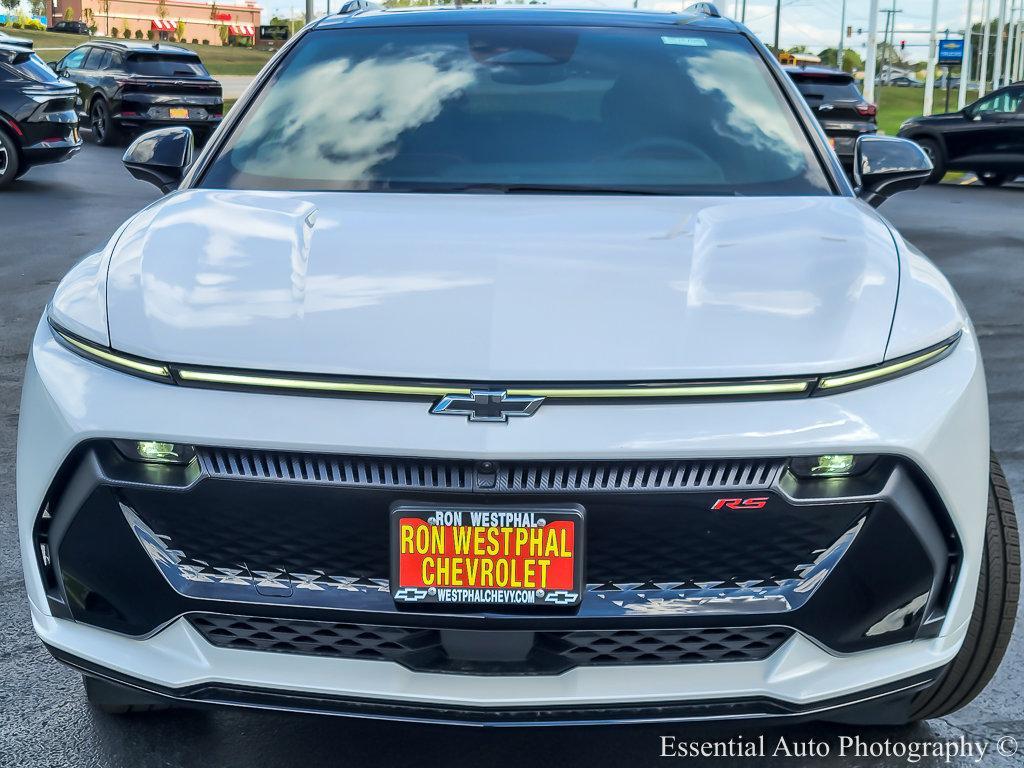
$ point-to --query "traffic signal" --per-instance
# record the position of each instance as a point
(903, 45)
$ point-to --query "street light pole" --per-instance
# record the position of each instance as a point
(778, 19)
(842, 37)
(309, 11)
(983, 72)
(997, 63)
(965, 66)
(933, 47)
(872, 62)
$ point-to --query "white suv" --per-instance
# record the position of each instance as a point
(499, 365)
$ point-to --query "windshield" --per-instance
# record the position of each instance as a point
(166, 66)
(823, 88)
(29, 65)
(532, 108)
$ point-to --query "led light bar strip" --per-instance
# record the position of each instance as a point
(884, 371)
(682, 390)
(316, 385)
(113, 358)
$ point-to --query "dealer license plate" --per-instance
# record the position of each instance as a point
(493, 556)
(179, 113)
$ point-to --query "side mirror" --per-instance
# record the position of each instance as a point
(884, 165)
(161, 157)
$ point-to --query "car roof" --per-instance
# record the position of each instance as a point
(14, 48)
(532, 15)
(133, 47)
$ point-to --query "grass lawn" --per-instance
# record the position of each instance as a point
(220, 60)
(897, 104)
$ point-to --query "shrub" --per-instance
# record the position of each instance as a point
(206, 42)
(138, 34)
(126, 34)
(195, 41)
(151, 35)
(114, 32)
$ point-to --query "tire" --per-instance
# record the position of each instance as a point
(104, 132)
(117, 700)
(934, 152)
(995, 607)
(10, 162)
(990, 179)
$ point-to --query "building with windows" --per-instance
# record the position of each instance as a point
(212, 23)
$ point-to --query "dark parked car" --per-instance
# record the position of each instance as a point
(986, 137)
(19, 42)
(839, 106)
(38, 123)
(71, 27)
(127, 87)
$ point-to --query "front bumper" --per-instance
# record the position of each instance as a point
(68, 401)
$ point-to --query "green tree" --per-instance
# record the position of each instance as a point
(852, 61)
(180, 31)
(38, 7)
(69, 14)
(222, 31)
(798, 49)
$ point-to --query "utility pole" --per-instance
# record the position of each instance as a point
(309, 11)
(965, 66)
(872, 53)
(778, 20)
(933, 56)
(1019, 74)
(889, 47)
(997, 63)
(743, 13)
(842, 37)
(983, 73)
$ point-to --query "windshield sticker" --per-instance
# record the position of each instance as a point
(694, 41)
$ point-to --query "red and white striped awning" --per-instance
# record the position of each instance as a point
(164, 25)
(242, 30)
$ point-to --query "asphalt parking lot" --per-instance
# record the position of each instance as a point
(58, 213)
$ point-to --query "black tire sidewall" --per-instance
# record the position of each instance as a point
(934, 152)
(14, 168)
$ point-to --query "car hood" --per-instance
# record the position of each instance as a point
(498, 288)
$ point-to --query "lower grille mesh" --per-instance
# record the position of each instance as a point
(551, 652)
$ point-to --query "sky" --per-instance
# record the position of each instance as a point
(814, 23)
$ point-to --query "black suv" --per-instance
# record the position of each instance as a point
(127, 87)
(38, 123)
(71, 27)
(986, 137)
(839, 106)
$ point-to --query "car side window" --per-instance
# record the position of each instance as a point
(1008, 100)
(115, 63)
(74, 59)
(104, 62)
(94, 58)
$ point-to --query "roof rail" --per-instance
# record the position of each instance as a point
(708, 9)
(357, 5)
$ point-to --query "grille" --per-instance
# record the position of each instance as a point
(550, 652)
(493, 477)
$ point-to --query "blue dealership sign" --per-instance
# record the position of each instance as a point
(951, 51)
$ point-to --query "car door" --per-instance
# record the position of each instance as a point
(90, 73)
(70, 67)
(990, 137)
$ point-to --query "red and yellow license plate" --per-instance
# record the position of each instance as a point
(178, 113)
(487, 555)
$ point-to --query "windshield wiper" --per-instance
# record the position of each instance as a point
(567, 189)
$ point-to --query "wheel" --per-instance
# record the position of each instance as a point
(995, 606)
(117, 700)
(934, 152)
(10, 163)
(990, 179)
(104, 131)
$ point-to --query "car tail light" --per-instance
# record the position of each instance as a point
(868, 110)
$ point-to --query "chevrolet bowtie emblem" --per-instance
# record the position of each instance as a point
(487, 405)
